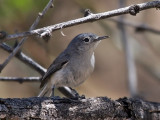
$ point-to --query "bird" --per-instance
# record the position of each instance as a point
(73, 66)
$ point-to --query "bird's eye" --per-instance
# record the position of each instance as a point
(86, 39)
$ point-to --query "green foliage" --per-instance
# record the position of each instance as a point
(20, 5)
(10, 9)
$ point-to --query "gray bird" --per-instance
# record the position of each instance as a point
(73, 66)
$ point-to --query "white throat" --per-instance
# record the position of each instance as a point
(93, 60)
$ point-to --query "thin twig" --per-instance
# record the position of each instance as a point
(20, 79)
(131, 70)
(138, 27)
(24, 58)
(25, 38)
(89, 18)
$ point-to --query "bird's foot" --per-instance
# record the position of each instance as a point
(76, 95)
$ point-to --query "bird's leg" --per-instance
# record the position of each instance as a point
(52, 95)
(70, 93)
(77, 96)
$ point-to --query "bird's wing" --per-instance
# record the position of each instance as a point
(58, 63)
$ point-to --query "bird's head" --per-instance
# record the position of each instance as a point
(85, 42)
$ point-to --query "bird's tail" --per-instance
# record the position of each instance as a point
(45, 91)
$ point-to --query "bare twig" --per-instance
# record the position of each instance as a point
(138, 27)
(20, 79)
(24, 39)
(132, 75)
(24, 58)
(89, 18)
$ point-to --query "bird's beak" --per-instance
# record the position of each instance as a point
(102, 38)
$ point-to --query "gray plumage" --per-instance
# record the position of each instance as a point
(73, 66)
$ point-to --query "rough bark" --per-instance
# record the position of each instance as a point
(84, 109)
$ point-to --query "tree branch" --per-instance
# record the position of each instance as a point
(138, 27)
(2, 66)
(130, 63)
(24, 58)
(84, 109)
(21, 79)
(133, 10)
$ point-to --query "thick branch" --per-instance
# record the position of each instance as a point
(90, 18)
(84, 109)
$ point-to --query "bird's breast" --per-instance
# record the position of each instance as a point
(75, 72)
(83, 69)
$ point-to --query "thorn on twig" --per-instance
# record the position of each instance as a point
(87, 12)
(40, 14)
(46, 35)
(2, 34)
(62, 31)
(133, 10)
(52, 5)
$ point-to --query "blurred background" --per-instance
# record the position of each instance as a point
(110, 77)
